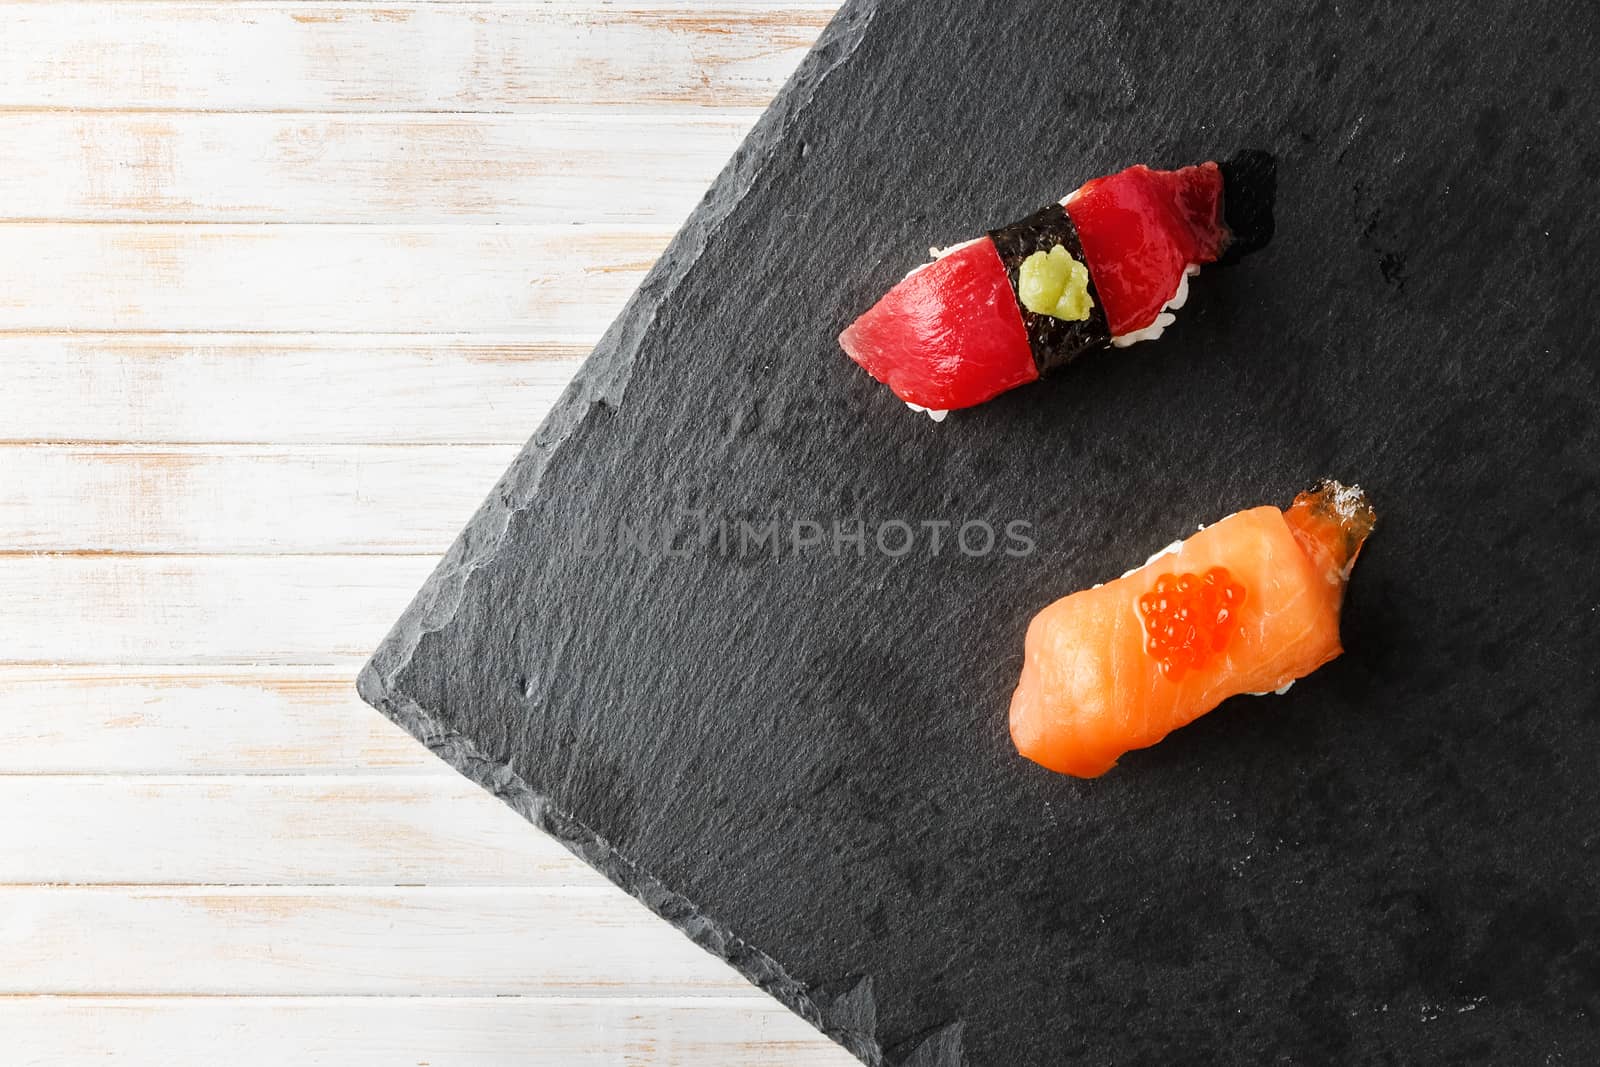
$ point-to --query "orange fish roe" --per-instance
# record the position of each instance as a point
(1188, 618)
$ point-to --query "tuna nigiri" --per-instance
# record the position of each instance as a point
(1107, 265)
(1247, 605)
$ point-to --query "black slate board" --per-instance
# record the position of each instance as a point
(804, 762)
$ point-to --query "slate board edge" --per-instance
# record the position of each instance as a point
(847, 1012)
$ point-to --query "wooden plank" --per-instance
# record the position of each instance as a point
(299, 390)
(407, 57)
(530, 311)
(744, 1031)
(555, 281)
(193, 720)
(258, 830)
(343, 941)
(201, 610)
(531, 301)
(413, 169)
(244, 499)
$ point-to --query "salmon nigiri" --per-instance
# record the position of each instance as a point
(1245, 606)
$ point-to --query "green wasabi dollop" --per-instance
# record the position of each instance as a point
(1053, 283)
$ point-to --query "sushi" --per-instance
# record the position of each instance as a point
(1107, 265)
(1247, 605)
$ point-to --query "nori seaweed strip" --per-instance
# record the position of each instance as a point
(1055, 342)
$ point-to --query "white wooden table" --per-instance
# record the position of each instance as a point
(283, 286)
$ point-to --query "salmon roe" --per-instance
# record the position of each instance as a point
(1188, 618)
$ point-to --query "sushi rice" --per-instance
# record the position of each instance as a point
(1164, 318)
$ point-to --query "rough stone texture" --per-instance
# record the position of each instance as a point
(803, 762)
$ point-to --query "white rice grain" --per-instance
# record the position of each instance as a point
(1164, 318)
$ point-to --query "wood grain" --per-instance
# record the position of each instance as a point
(118, 719)
(743, 1031)
(342, 941)
(555, 282)
(260, 499)
(298, 830)
(258, 261)
(288, 389)
(398, 57)
(321, 610)
(412, 169)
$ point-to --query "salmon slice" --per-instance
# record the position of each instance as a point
(1245, 606)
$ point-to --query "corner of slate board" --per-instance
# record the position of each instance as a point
(843, 1015)
(803, 763)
